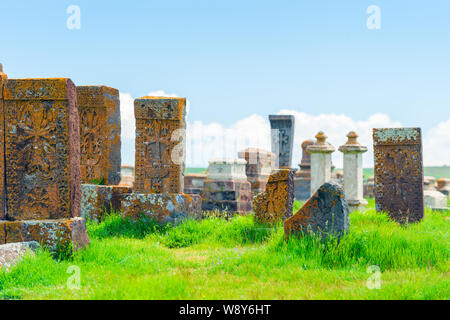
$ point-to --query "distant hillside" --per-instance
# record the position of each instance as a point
(436, 172)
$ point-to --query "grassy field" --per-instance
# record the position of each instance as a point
(436, 172)
(237, 259)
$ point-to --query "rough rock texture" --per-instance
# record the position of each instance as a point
(96, 200)
(399, 173)
(164, 208)
(229, 195)
(49, 233)
(302, 180)
(160, 144)
(99, 110)
(282, 138)
(3, 79)
(325, 213)
(42, 149)
(12, 253)
(275, 204)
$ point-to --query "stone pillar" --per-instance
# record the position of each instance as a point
(282, 138)
(320, 161)
(260, 164)
(302, 180)
(399, 173)
(99, 110)
(353, 172)
(226, 187)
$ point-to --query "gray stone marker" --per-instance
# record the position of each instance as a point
(282, 138)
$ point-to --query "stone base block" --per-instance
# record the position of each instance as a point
(96, 200)
(434, 199)
(51, 234)
(230, 206)
(355, 205)
(11, 253)
(232, 195)
(302, 188)
(258, 184)
(193, 190)
(164, 208)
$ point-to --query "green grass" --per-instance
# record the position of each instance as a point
(238, 259)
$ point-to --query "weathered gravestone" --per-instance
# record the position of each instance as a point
(159, 165)
(399, 173)
(99, 111)
(434, 199)
(325, 213)
(226, 187)
(302, 180)
(41, 160)
(275, 204)
(3, 79)
(443, 186)
(282, 138)
(260, 164)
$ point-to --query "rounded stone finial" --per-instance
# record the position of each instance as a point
(321, 145)
(352, 144)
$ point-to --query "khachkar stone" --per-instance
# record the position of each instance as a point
(226, 187)
(320, 161)
(399, 173)
(3, 80)
(282, 138)
(42, 163)
(160, 144)
(302, 180)
(260, 164)
(160, 157)
(99, 110)
(275, 204)
(325, 213)
(353, 172)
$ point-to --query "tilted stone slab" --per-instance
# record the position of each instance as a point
(99, 111)
(97, 200)
(160, 144)
(275, 204)
(399, 173)
(3, 80)
(51, 234)
(42, 149)
(325, 213)
(163, 208)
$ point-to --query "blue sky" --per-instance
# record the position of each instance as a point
(233, 59)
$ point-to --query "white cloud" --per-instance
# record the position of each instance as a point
(436, 145)
(206, 141)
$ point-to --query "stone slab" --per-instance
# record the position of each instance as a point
(164, 208)
(12, 253)
(282, 138)
(325, 213)
(42, 149)
(160, 145)
(399, 173)
(275, 204)
(51, 234)
(97, 200)
(99, 112)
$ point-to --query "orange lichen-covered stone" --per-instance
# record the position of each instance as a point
(160, 144)
(275, 204)
(3, 79)
(325, 213)
(99, 111)
(42, 149)
(163, 208)
(97, 200)
(52, 234)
